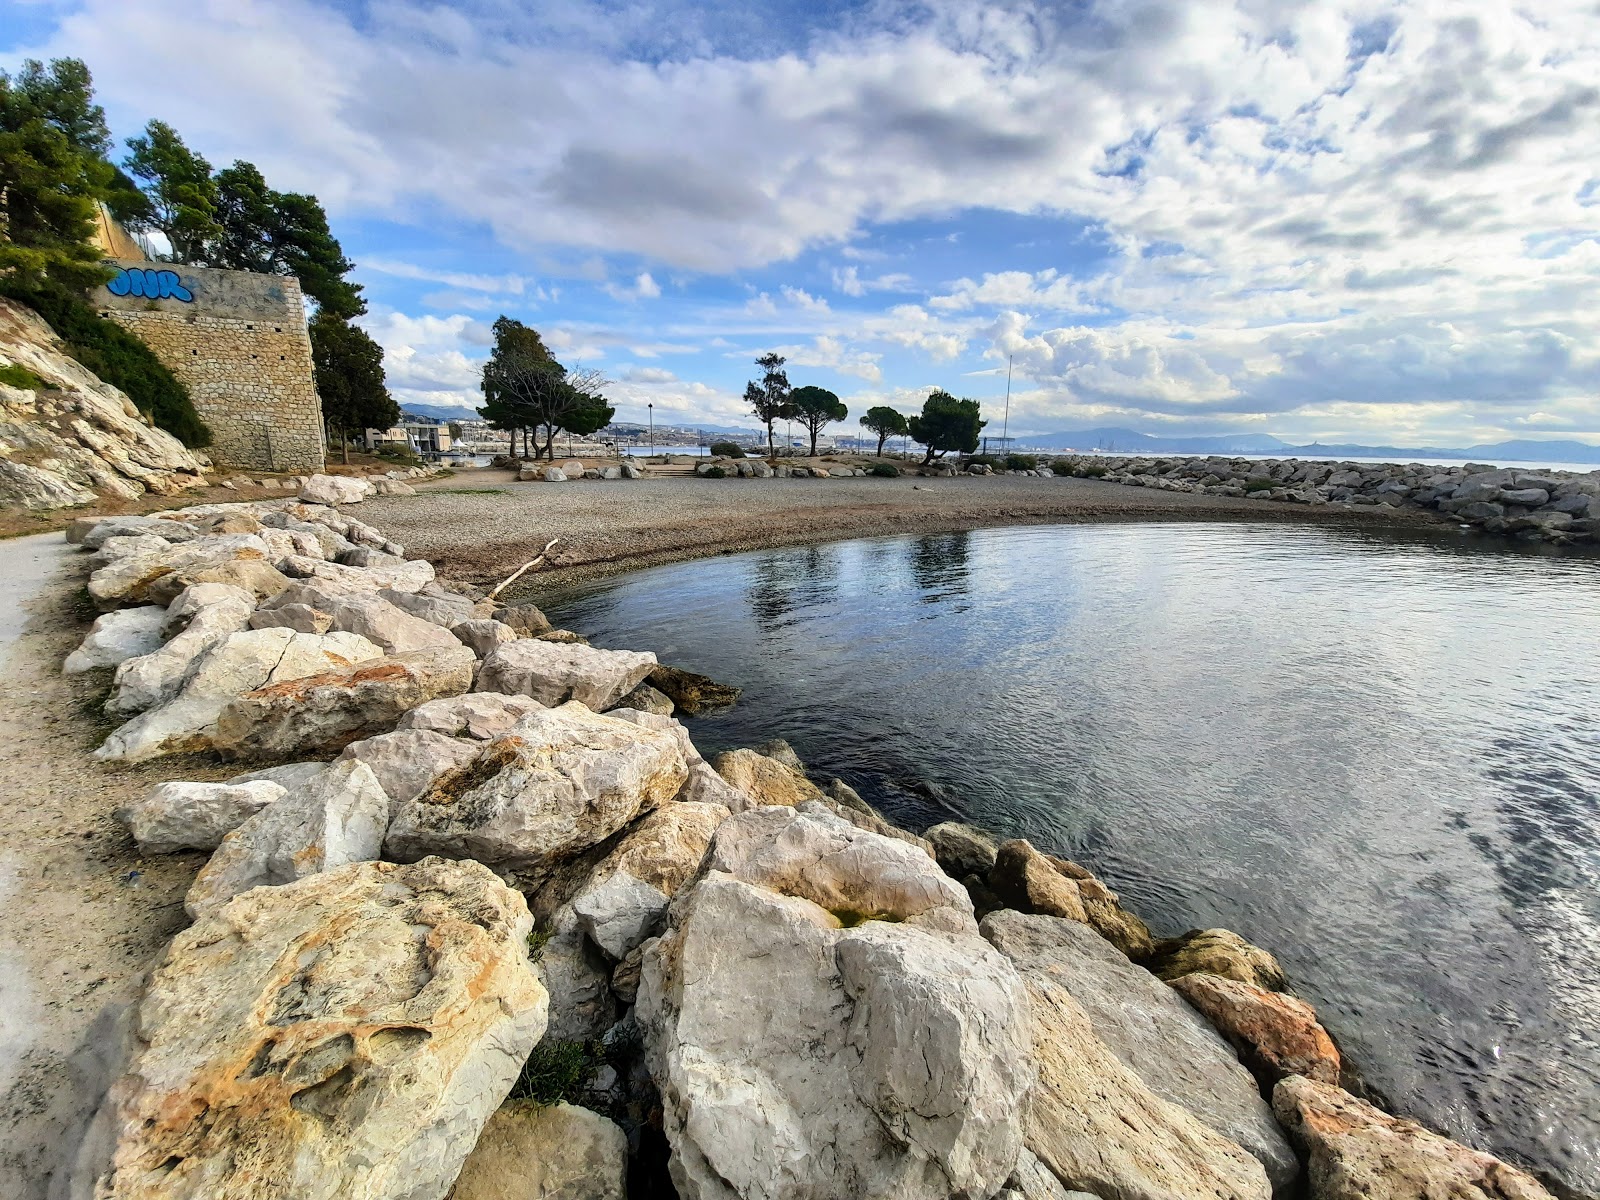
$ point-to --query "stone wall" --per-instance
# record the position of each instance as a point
(238, 340)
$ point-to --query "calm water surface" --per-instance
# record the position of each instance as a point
(1378, 757)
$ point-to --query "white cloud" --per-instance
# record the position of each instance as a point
(506, 285)
(834, 354)
(642, 288)
(803, 299)
(637, 374)
(849, 281)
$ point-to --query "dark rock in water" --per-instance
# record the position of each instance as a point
(846, 796)
(962, 850)
(1217, 952)
(984, 901)
(694, 694)
(525, 618)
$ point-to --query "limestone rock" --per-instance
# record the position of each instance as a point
(962, 850)
(94, 532)
(391, 487)
(553, 674)
(577, 977)
(1028, 881)
(1099, 1128)
(445, 609)
(292, 776)
(781, 751)
(625, 898)
(1032, 1181)
(334, 489)
(328, 711)
(798, 1057)
(1358, 1152)
(300, 617)
(117, 636)
(561, 781)
(339, 819)
(560, 1152)
(202, 616)
(1275, 1034)
(346, 1035)
(525, 618)
(765, 780)
(239, 664)
(114, 548)
(408, 761)
(1105, 913)
(194, 816)
(365, 613)
(694, 694)
(704, 785)
(480, 715)
(645, 698)
(157, 577)
(483, 635)
(408, 576)
(1217, 952)
(1151, 1031)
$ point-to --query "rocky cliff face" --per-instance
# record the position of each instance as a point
(76, 439)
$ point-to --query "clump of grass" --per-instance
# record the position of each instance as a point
(18, 376)
(1061, 467)
(556, 1073)
(716, 473)
(1022, 462)
(1094, 471)
(538, 939)
(884, 470)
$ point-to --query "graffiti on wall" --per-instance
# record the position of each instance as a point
(149, 282)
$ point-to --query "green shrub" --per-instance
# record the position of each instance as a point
(715, 473)
(1022, 462)
(1061, 467)
(1092, 471)
(18, 376)
(396, 453)
(118, 358)
(983, 460)
(557, 1072)
(1260, 484)
(883, 470)
(727, 450)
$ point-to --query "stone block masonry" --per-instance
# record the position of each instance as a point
(238, 340)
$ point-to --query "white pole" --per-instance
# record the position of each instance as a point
(1005, 425)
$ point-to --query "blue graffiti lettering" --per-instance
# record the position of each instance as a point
(151, 283)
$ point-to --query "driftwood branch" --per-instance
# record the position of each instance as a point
(523, 569)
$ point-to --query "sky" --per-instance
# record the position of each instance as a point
(1366, 221)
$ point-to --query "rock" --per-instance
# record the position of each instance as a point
(645, 698)
(526, 619)
(624, 900)
(798, 1056)
(1531, 497)
(481, 715)
(369, 557)
(202, 616)
(334, 489)
(122, 547)
(1150, 1029)
(407, 761)
(554, 475)
(1275, 1034)
(300, 617)
(339, 819)
(1105, 913)
(117, 636)
(236, 665)
(194, 816)
(561, 781)
(1358, 1152)
(578, 978)
(392, 487)
(447, 610)
(1032, 1181)
(158, 577)
(560, 1152)
(563, 637)
(1217, 952)
(1095, 1124)
(961, 850)
(407, 576)
(554, 674)
(346, 1035)
(694, 694)
(781, 751)
(365, 613)
(845, 796)
(482, 636)
(292, 776)
(94, 532)
(328, 711)
(704, 785)
(765, 780)
(1028, 881)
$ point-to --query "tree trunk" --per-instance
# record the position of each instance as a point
(882, 438)
(772, 453)
(344, 443)
(813, 443)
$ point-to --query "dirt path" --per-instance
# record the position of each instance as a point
(83, 914)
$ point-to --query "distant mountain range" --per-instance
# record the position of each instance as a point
(1130, 441)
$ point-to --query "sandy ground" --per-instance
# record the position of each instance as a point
(479, 526)
(83, 914)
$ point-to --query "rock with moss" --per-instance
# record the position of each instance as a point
(1217, 952)
(694, 694)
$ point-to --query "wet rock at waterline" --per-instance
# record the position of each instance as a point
(1028, 881)
(962, 850)
(1275, 1034)
(694, 694)
(765, 780)
(553, 674)
(1150, 1029)
(1217, 952)
(346, 1035)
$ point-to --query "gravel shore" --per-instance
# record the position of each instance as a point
(481, 525)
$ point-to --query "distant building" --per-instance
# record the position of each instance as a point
(423, 435)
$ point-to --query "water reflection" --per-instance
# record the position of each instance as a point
(1370, 753)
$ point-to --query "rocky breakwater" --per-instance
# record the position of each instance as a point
(499, 930)
(1550, 506)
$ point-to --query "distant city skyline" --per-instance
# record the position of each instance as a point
(1368, 221)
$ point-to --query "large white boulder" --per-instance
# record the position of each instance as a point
(331, 709)
(870, 1044)
(480, 715)
(408, 761)
(555, 672)
(405, 576)
(334, 489)
(194, 816)
(561, 781)
(366, 613)
(240, 663)
(157, 577)
(116, 637)
(339, 819)
(202, 615)
(347, 1035)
